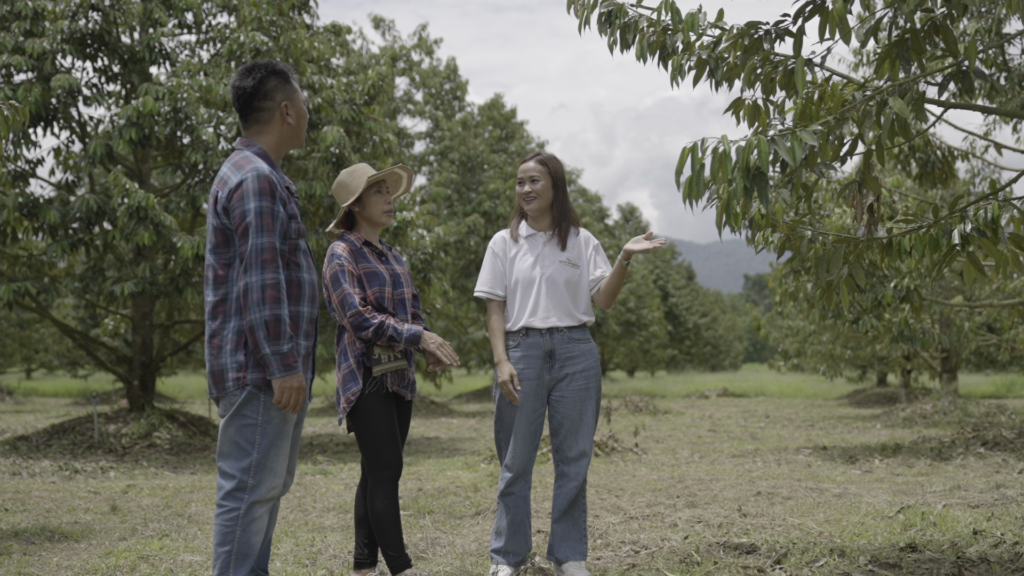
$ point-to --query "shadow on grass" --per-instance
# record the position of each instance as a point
(35, 535)
(340, 448)
(882, 397)
(977, 441)
(425, 407)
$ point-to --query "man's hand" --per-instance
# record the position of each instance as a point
(290, 392)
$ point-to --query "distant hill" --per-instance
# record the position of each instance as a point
(721, 265)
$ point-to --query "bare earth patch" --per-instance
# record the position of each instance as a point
(695, 486)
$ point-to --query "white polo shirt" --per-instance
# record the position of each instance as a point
(542, 286)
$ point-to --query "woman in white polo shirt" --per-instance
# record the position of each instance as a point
(539, 277)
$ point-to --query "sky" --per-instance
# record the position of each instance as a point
(617, 120)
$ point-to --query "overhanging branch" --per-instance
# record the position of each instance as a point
(181, 347)
(990, 110)
(977, 305)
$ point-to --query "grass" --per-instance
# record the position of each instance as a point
(752, 380)
(788, 479)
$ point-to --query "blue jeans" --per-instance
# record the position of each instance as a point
(559, 370)
(257, 452)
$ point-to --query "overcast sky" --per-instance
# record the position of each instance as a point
(618, 121)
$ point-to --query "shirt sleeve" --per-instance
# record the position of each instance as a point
(261, 226)
(597, 263)
(492, 283)
(349, 307)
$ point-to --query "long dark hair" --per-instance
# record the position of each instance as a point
(562, 212)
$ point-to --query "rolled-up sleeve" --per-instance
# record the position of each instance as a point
(261, 233)
(349, 307)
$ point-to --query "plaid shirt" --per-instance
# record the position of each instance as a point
(370, 294)
(260, 286)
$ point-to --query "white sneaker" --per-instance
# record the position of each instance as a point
(571, 569)
(502, 570)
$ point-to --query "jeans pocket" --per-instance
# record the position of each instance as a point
(512, 340)
(584, 338)
(227, 402)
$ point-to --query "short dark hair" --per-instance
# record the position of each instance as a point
(258, 87)
(567, 220)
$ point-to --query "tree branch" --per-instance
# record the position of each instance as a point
(75, 334)
(83, 342)
(977, 305)
(181, 347)
(991, 110)
(981, 136)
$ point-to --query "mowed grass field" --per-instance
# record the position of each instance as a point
(766, 474)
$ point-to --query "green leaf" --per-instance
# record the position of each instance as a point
(763, 157)
(681, 165)
(798, 75)
(972, 52)
(761, 186)
(783, 148)
(809, 137)
(975, 263)
(899, 106)
(858, 274)
(948, 38)
(836, 260)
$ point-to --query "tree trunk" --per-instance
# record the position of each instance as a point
(141, 390)
(948, 375)
(905, 373)
(881, 379)
(28, 373)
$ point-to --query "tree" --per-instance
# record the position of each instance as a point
(663, 319)
(12, 117)
(904, 315)
(914, 66)
(103, 235)
(634, 334)
(31, 344)
(752, 303)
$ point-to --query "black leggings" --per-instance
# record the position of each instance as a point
(380, 421)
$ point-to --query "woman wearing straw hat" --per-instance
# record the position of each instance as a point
(369, 292)
(539, 277)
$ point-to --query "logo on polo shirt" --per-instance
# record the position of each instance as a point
(569, 263)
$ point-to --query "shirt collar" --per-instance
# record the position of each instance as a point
(360, 241)
(244, 143)
(525, 230)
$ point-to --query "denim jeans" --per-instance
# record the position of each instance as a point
(559, 370)
(257, 452)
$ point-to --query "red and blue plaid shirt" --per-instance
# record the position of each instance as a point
(260, 283)
(369, 292)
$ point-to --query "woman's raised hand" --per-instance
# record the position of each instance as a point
(641, 244)
(439, 352)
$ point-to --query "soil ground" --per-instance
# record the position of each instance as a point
(707, 484)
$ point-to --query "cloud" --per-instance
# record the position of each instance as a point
(614, 118)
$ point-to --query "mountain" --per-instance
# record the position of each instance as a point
(721, 265)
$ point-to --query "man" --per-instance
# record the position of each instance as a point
(262, 300)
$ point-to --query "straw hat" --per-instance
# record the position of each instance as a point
(356, 178)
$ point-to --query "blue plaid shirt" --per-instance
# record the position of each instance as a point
(369, 292)
(260, 283)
